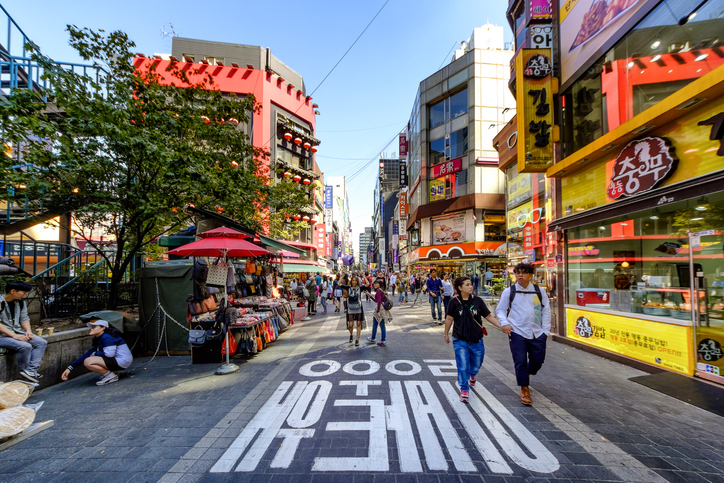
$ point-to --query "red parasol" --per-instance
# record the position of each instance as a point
(215, 246)
(224, 232)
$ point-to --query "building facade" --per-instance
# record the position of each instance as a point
(366, 246)
(629, 225)
(456, 193)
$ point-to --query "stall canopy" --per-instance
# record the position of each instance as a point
(218, 245)
(224, 231)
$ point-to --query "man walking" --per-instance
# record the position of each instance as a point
(393, 280)
(476, 283)
(489, 277)
(434, 289)
(15, 331)
(525, 309)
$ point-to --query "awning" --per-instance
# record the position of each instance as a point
(303, 268)
(280, 245)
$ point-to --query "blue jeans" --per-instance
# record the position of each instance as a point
(29, 353)
(445, 302)
(381, 322)
(436, 301)
(324, 301)
(528, 356)
(468, 357)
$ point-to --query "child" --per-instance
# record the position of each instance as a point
(109, 354)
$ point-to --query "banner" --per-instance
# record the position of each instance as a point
(328, 219)
(448, 167)
(403, 145)
(534, 98)
(449, 229)
(437, 189)
(660, 344)
(404, 207)
(321, 239)
(328, 198)
(395, 227)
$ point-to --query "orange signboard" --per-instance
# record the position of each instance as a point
(461, 250)
(404, 209)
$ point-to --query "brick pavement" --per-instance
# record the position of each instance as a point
(172, 421)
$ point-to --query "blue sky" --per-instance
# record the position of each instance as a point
(363, 103)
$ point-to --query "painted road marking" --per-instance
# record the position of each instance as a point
(362, 386)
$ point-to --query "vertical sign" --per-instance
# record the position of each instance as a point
(328, 219)
(328, 192)
(321, 239)
(395, 227)
(403, 174)
(528, 236)
(404, 208)
(403, 145)
(534, 96)
(330, 244)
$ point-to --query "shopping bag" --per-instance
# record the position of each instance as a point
(232, 346)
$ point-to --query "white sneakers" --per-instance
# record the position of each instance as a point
(108, 378)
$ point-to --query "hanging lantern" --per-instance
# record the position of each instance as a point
(314, 149)
(288, 136)
(297, 141)
(313, 221)
(297, 217)
(288, 174)
(234, 120)
(297, 178)
(305, 218)
(307, 145)
(234, 164)
(306, 181)
(206, 119)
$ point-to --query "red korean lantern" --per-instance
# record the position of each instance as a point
(297, 141)
(305, 218)
(307, 145)
(297, 178)
(234, 164)
(306, 181)
(313, 221)
(288, 136)
(297, 217)
(314, 149)
(234, 120)
(206, 119)
(288, 174)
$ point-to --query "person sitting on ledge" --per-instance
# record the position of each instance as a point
(109, 354)
(15, 332)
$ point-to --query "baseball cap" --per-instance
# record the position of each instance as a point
(101, 322)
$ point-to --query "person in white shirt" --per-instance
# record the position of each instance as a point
(525, 315)
(393, 279)
(447, 291)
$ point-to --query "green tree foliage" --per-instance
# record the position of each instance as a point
(125, 149)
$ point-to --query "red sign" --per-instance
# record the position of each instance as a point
(321, 238)
(330, 243)
(528, 236)
(403, 205)
(448, 167)
(551, 262)
(403, 145)
(641, 166)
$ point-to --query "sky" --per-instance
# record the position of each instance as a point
(364, 103)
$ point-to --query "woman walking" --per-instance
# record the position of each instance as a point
(447, 291)
(465, 314)
(337, 294)
(323, 293)
(379, 316)
(355, 314)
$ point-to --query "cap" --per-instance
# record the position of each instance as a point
(101, 322)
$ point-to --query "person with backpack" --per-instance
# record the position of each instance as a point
(310, 293)
(525, 314)
(465, 315)
(381, 314)
(109, 354)
(15, 331)
(323, 293)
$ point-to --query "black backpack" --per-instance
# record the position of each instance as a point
(536, 289)
(387, 303)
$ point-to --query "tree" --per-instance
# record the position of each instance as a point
(126, 149)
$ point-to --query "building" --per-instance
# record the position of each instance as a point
(386, 196)
(366, 246)
(457, 195)
(630, 226)
(337, 190)
(285, 124)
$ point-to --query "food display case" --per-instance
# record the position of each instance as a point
(593, 296)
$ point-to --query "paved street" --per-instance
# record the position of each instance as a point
(314, 408)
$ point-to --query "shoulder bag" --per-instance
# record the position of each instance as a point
(197, 336)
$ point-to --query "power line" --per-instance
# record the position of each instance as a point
(446, 55)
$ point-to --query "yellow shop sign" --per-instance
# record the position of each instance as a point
(664, 345)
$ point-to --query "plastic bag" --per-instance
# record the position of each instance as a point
(15, 420)
(13, 394)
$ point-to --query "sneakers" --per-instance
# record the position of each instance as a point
(108, 378)
(472, 381)
(464, 396)
(356, 342)
(30, 376)
(370, 339)
(382, 344)
(351, 338)
(307, 318)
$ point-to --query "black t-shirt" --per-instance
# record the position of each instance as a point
(467, 317)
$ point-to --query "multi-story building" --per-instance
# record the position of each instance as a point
(456, 194)
(366, 246)
(386, 196)
(629, 229)
(340, 215)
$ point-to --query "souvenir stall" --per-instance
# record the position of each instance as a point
(231, 305)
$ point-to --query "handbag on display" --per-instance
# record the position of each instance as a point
(209, 304)
(250, 267)
(197, 336)
(214, 334)
(218, 274)
(195, 308)
(258, 343)
(232, 346)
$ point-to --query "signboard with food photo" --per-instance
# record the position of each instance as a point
(590, 27)
(450, 229)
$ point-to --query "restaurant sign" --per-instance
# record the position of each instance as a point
(641, 166)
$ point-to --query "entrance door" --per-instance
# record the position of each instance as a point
(706, 254)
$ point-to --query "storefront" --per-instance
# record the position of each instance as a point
(459, 259)
(641, 218)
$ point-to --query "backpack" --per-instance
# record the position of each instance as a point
(11, 307)
(536, 288)
(387, 303)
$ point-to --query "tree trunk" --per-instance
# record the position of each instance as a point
(114, 289)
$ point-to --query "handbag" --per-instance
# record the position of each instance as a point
(217, 275)
(209, 304)
(197, 337)
(258, 343)
(232, 346)
(214, 334)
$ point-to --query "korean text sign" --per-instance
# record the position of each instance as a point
(448, 167)
(328, 191)
(437, 189)
(534, 99)
(403, 206)
(668, 346)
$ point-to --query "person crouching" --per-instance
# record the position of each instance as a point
(109, 354)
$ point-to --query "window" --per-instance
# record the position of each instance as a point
(213, 60)
(458, 143)
(437, 151)
(190, 57)
(450, 108)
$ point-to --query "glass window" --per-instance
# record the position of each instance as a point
(639, 263)
(459, 143)
(437, 151)
(655, 59)
(449, 108)
(458, 103)
(437, 114)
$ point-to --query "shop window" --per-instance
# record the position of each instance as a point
(657, 58)
(640, 263)
(449, 108)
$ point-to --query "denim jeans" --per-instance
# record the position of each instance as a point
(381, 322)
(323, 299)
(29, 353)
(468, 358)
(528, 356)
(436, 301)
(445, 302)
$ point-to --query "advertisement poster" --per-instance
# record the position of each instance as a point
(437, 189)
(590, 27)
(520, 189)
(450, 229)
(710, 352)
(664, 345)
(692, 143)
